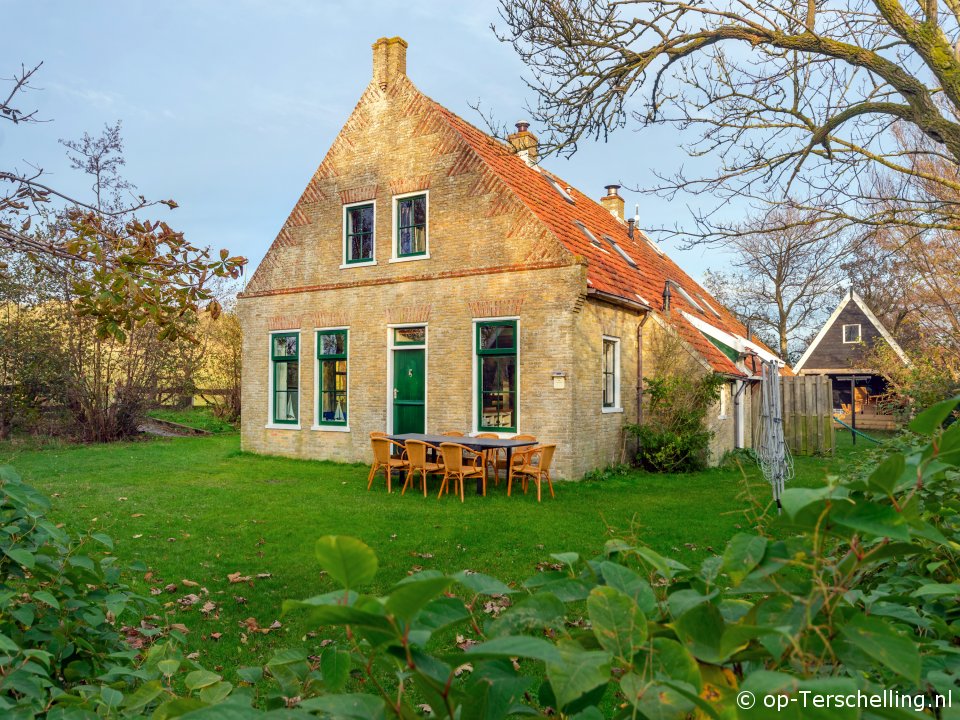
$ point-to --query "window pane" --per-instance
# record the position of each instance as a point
(418, 239)
(496, 337)
(286, 390)
(420, 210)
(332, 343)
(333, 391)
(360, 220)
(498, 410)
(410, 335)
(406, 213)
(406, 241)
(499, 374)
(284, 345)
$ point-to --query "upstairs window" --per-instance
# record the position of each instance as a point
(358, 233)
(560, 191)
(586, 233)
(497, 375)
(285, 358)
(851, 334)
(611, 373)
(332, 377)
(620, 251)
(412, 226)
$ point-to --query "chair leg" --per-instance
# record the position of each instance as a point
(537, 479)
(407, 481)
(549, 483)
(509, 480)
(424, 483)
(462, 483)
(373, 471)
(389, 472)
(443, 484)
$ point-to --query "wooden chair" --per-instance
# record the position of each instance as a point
(382, 459)
(454, 466)
(417, 458)
(537, 471)
(396, 454)
(492, 456)
(453, 433)
(518, 457)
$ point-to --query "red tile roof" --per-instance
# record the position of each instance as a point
(607, 271)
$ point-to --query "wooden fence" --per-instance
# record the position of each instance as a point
(807, 413)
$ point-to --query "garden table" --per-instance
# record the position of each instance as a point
(474, 443)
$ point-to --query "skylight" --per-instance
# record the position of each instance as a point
(620, 250)
(650, 242)
(709, 306)
(563, 193)
(589, 235)
(686, 296)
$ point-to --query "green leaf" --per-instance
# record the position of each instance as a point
(347, 560)
(930, 420)
(516, 646)
(347, 707)
(532, 613)
(144, 695)
(881, 642)
(619, 625)
(21, 557)
(938, 590)
(251, 675)
(169, 666)
(111, 698)
(46, 598)
(200, 679)
(577, 671)
(335, 666)
(483, 584)
(629, 582)
(888, 473)
(408, 598)
(873, 519)
(743, 553)
(216, 693)
(655, 700)
(103, 539)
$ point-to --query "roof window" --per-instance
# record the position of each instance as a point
(587, 234)
(686, 296)
(709, 306)
(620, 251)
(563, 193)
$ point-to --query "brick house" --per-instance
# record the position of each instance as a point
(433, 278)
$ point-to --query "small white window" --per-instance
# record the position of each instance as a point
(686, 296)
(620, 251)
(556, 186)
(724, 391)
(586, 233)
(851, 334)
(611, 374)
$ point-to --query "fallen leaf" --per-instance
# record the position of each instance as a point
(240, 600)
(171, 539)
(466, 667)
(189, 600)
(156, 590)
(138, 536)
(189, 583)
(171, 588)
(136, 515)
(216, 636)
(180, 627)
(263, 576)
(238, 578)
(208, 608)
(193, 656)
(121, 499)
(275, 625)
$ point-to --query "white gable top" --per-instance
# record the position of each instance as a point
(851, 296)
(735, 341)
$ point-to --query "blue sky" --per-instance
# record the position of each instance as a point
(228, 107)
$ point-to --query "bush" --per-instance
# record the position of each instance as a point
(673, 436)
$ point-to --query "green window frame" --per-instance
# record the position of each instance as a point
(285, 366)
(497, 374)
(412, 225)
(332, 377)
(358, 228)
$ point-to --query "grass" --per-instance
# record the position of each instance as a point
(201, 418)
(200, 509)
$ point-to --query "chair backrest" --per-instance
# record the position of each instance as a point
(453, 455)
(416, 453)
(524, 437)
(381, 449)
(487, 435)
(377, 433)
(546, 456)
(453, 433)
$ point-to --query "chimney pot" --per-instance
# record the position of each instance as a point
(613, 202)
(389, 60)
(524, 143)
(630, 223)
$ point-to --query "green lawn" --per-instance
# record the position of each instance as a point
(199, 509)
(201, 418)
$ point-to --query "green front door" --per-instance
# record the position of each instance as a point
(409, 391)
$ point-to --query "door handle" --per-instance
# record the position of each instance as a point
(395, 392)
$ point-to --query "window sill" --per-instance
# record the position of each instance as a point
(331, 428)
(410, 258)
(722, 417)
(611, 410)
(282, 426)
(365, 263)
(508, 435)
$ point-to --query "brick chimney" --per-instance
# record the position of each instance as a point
(525, 143)
(613, 202)
(389, 60)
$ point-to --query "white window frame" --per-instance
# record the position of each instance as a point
(271, 425)
(344, 264)
(724, 393)
(859, 327)
(316, 383)
(474, 410)
(395, 239)
(426, 370)
(618, 404)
